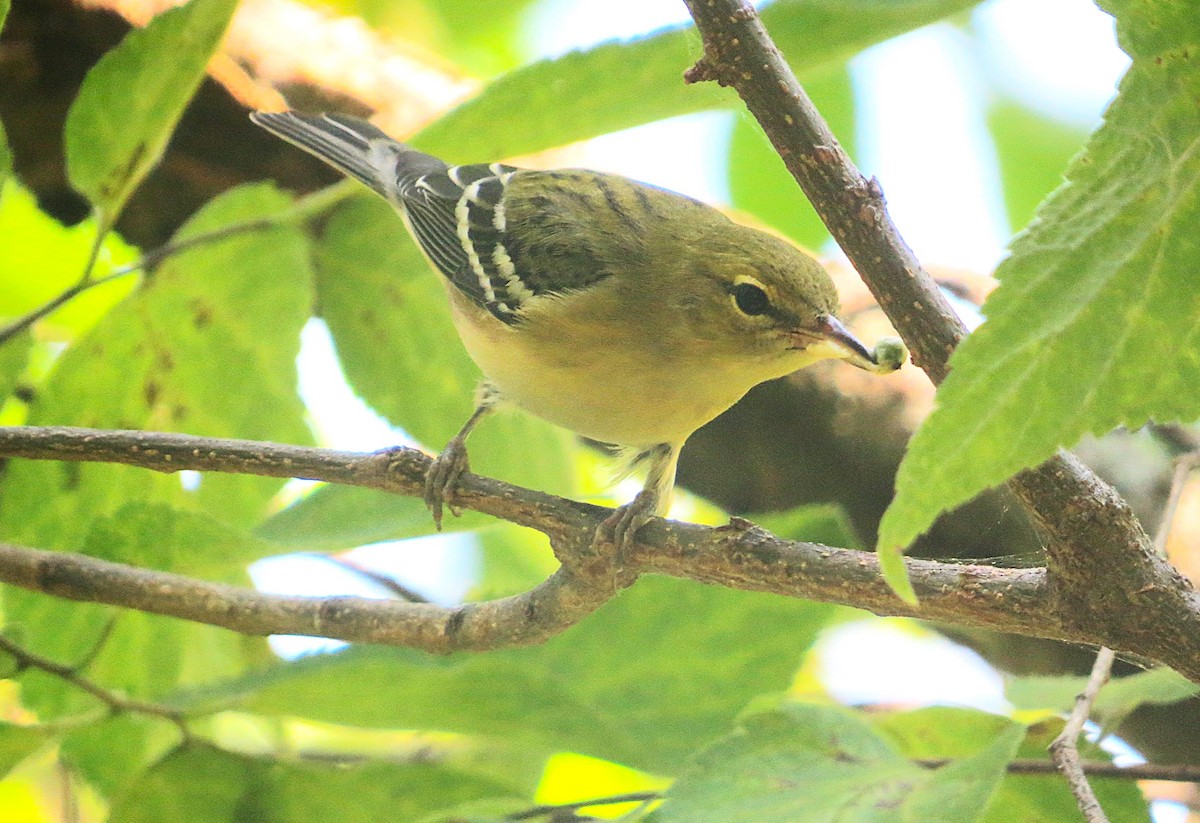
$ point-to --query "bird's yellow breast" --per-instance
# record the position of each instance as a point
(564, 365)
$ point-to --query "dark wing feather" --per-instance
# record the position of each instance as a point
(462, 216)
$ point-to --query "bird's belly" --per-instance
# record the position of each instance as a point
(611, 406)
(592, 391)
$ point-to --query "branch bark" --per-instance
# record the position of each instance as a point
(1102, 567)
(739, 555)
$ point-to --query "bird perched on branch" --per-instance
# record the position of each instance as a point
(623, 312)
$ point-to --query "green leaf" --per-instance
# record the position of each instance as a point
(387, 312)
(819, 523)
(203, 785)
(656, 673)
(493, 810)
(482, 44)
(112, 753)
(530, 101)
(804, 762)
(1047, 798)
(388, 315)
(184, 542)
(41, 258)
(207, 346)
(514, 560)
(335, 518)
(1033, 151)
(1096, 322)
(1119, 697)
(14, 357)
(19, 742)
(941, 732)
(119, 125)
(759, 182)
(141, 655)
(5, 152)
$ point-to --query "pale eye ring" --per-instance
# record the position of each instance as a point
(750, 299)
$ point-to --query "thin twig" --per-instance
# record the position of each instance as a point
(1179, 773)
(116, 703)
(1022, 766)
(98, 645)
(1065, 748)
(389, 583)
(302, 209)
(611, 800)
(1184, 466)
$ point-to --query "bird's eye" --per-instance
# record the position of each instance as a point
(750, 299)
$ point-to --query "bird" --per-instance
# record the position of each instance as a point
(626, 313)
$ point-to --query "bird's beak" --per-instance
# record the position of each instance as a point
(845, 346)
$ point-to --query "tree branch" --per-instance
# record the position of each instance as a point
(1065, 748)
(115, 703)
(1102, 565)
(738, 555)
(524, 619)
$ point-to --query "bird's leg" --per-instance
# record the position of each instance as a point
(450, 464)
(652, 501)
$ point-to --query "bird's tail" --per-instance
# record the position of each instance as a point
(352, 146)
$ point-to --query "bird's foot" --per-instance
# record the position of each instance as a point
(621, 527)
(442, 479)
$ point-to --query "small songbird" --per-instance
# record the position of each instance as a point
(624, 312)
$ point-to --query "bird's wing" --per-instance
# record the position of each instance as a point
(453, 212)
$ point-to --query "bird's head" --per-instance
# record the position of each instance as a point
(774, 303)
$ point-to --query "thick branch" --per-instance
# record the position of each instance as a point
(738, 555)
(524, 619)
(1102, 564)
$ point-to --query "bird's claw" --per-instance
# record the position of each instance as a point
(621, 527)
(442, 478)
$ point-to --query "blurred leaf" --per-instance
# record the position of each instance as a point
(201, 785)
(1047, 798)
(114, 752)
(530, 101)
(40, 258)
(495, 810)
(190, 543)
(19, 742)
(826, 524)
(759, 182)
(143, 655)
(483, 44)
(514, 559)
(5, 152)
(119, 125)
(1096, 322)
(804, 762)
(939, 732)
(388, 315)
(1119, 697)
(570, 777)
(657, 672)
(943, 732)
(386, 310)
(334, 518)
(1033, 151)
(208, 346)
(14, 357)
